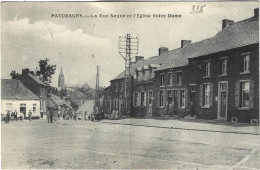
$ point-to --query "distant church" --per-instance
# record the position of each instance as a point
(61, 81)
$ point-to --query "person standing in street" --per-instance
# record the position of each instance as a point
(15, 115)
(30, 115)
(21, 116)
(50, 116)
(7, 118)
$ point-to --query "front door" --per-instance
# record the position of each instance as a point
(23, 109)
(150, 103)
(223, 105)
(223, 91)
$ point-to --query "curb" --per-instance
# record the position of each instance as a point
(164, 127)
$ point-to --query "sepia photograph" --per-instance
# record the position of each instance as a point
(130, 85)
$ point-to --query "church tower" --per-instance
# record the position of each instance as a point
(61, 81)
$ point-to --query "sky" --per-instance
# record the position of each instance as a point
(29, 33)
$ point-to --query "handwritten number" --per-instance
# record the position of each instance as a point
(197, 9)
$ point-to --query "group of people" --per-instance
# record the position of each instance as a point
(14, 116)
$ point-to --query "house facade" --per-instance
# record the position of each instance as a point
(16, 97)
(216, 78)
(35, 85)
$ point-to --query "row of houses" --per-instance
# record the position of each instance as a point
(216, 78)
(28, 93)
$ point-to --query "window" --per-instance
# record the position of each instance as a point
(34, 108)
(115, 104)
(116, 87)
(170, 97)
(223, 86)
(245, 87)
(8, 107)
(179, 78)
(244, 94)
(135, 99)
(22, 105)
(142, 99)
(170, 79)
(224, 67)
(206, 95)
(182, 98)
(150, 96)
(246, 63)
(121, 86)
(162, 80)
(161, 98)
(207, 68)
(192, 88)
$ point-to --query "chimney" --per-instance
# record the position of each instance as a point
(184, 43)
(226, 23)
(163, 50)
(25, 71)
(256, 11)
(137, 58)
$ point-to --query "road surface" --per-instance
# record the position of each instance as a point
(84, 144)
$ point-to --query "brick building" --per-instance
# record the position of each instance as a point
(216, 78)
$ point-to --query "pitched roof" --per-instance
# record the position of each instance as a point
(55, 101)
(58, 100)
(239, 34)
(14, 90)
(35, 78)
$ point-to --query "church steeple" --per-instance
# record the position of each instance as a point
(61, 81)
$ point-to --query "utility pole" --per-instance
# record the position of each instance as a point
(96, 105)
(128, 47)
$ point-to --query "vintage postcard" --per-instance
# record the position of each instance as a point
(130, 85)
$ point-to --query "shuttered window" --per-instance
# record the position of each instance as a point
(206, 95)
(244, 94)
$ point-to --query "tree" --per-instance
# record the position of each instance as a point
(46, 71)
(14, 75)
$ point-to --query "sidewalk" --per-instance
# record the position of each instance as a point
(195, 125)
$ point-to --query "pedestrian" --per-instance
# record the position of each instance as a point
(12, 116)
(30, 115)
(86, 115)
(7, 119)
(50, 117)
(79, 116)
(15, 115)
(192, 109)
(21, 116)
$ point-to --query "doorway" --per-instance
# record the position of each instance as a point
(23, 109)
(223, 98)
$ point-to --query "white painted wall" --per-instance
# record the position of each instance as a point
(16, 106)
